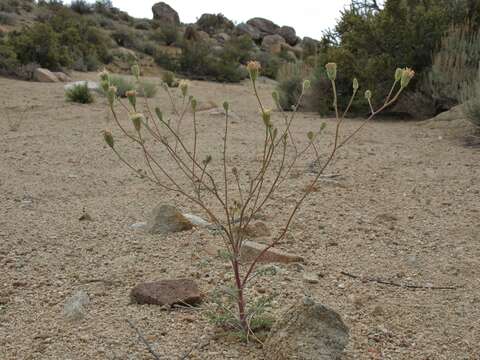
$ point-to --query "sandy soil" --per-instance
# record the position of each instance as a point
(404, 209)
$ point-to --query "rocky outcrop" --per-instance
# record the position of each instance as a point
(273, 43)
(414, 104)
(266, 27)
(167, 292)
(289, 34)
(247, 29)
(165, 14)
(214, 23)
(307, 331)
(44, 75)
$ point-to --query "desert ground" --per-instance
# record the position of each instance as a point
(404, 208)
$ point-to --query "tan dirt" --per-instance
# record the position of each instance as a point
(404, 209)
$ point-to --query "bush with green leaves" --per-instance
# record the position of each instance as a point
(81, 7)
(146, 89)
(79, 93)
(122, 84)
(228, 194)
(7, 18)
(290, 82)
(169, 78)
(470, 97)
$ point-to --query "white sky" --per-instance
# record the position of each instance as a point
(308, 17)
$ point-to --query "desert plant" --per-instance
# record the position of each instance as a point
(122, 84)
(146, 89)
(169, 79)
(290, 78)
(7, 18)
(81, 7)
(239, 193)
(79, 93)
(471, 99)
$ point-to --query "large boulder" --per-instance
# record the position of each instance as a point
(273, 43)
(289, 34)
(44, 75)
(167, 292)
(265, 26)
(166, 219)
(415, 105)
(247, 29)
(165, 14)
(307, 331)
(213, 23)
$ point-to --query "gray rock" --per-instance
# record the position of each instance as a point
(197, 220)
(166, 219)
(167, 292)
(307, 331)
(222, 38)
(414, 104)
(250, 251)
(44, 75)
(310, 278)
(265, 26)
(165, 14)
(289, 34)
(74, 308)
(273, 43)
(250, 30)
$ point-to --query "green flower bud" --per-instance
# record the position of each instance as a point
(407, 75)
(159, 114)
(306, 85)
(207, 160)
(184, 87)
(310, 135)
(355, 85)
(253, 68)
(137, 121)
(132, 98)
(398, 74)
(226, 106)
(111, 94)
(331, 71)
(266, 116)
(136, 71)
(368, 95)
(107, 136)
(323, 126)
(275, 97)
(104, 84)
(104, 76)
(193, 102)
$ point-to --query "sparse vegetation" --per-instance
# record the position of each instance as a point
(122, 84)
(290, 81)
(471, 99)
(146, 89)
(169, 79)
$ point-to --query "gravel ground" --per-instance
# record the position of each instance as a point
(404, 209)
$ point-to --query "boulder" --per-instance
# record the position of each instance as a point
(165, 14)
(307, 331)
(265, 26)
(167, 292)
(255, 230)
(222, 38)
(44, 75)
(310, 45)
(273, 43)
(414, 104)
(213, 23)
(203, 36)
(455, 113)
(62, 77)
(289, 34)
(247, 29)
(166, 219)
(250, 250)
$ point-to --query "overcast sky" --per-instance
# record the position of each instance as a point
(308, 17)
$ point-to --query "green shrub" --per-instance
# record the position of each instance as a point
(7, 19)
(471, 99)
(169, 35)
(122, 84)
(79, 93)
(146, 89)
(81, 7)
(168, 77)
(8, 60)
(212, 23)
(270, 64)
(290, 83)
(166, 61)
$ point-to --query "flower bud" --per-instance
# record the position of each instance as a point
(184, 87)
(310, 135)
(104, 76)
(137, 121)
(368, 95)
(331, 71)
(355, 85)
(111, 94)
(275, 97)
(107, 136)
(266, 116)
(159, 114)
(132, 97)
(193, 102)
(136, 71)
(226, 106)
(253, 68)
(104, 84)
(207, 160)
(306, 85)
(398, 74)
(407, 75)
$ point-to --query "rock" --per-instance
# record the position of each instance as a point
(255, 230)
(250, 250)
(307, 331)
(289, 34)
(222, 38)
(310, 45)
(167, 292)
(266, 27)
(250, 30)
(62, 76)
(310, 278)
(166, 219)
(139, 225)
(454, 113)
(205, 105)
(273, 43)
(44, 75)
(197, 220)
(202, 36)
(74, 308)
(92, 85)
(165, 14)
(213, 23)
(414, 104)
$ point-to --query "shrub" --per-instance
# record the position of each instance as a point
(146, 89)
(270, 64)
(81, 7)
(212, 23)
(8, 60)
(232, 197)
(169, 34)
(290, 83)
(471, 100)
(7, 19)
(122, 84)
(79, 93)
(169, 79)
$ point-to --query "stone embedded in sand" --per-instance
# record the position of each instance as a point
(44, 75)
(62, 77)
(167, 292)
(74, 308)
(250, 250)
(307, 331)
(256, 230)
(166, 219)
